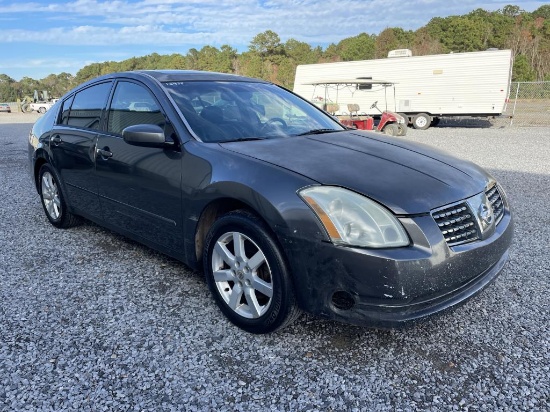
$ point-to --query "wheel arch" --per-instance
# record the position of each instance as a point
(38, 163)
(213, 211)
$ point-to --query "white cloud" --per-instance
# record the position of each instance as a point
(155, 25)
(226, 21)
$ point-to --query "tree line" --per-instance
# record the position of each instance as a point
(526, 34)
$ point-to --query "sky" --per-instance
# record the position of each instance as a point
(38, 38)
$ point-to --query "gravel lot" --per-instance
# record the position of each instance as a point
(91, 321)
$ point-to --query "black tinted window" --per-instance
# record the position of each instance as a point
(64, 118)
(87, 106)
(133, 104)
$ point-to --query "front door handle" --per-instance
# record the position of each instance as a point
(104, 153)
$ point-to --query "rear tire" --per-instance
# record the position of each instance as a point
(42, 110)
(53, 199)
(247, 274)
(391, 129)
(422, 121)
(401, 129)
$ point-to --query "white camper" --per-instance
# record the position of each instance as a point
(426, 87)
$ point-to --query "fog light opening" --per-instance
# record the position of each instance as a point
(342, 300)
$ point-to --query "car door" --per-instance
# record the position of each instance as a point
(140, 187)
(72, 145)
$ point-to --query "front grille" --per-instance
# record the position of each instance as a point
(496, 202)
(457, 224)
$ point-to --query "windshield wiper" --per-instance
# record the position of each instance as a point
(243, 139)
(318, 131)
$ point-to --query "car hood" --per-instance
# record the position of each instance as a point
(407, 177)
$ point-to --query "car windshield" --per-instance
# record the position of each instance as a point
(224, 111)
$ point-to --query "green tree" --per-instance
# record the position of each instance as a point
(526, 34)
(461, 33)
(511, 11)
(424, 43)
(7, 91)
(543, 12)
(301, 53)
(207, 58)
(177, 61)
(192, 58)
(88, 72)
(522, 70)
(266, 44)
(225, 62)
(331, 54)
(360, 47)
(251, 64)
(392, 38)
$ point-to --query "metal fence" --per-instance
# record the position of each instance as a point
(529, 104)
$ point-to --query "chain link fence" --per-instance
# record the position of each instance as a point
(529, 104)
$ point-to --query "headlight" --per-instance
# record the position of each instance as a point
(354, 220)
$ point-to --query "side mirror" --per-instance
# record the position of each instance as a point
(144, 135)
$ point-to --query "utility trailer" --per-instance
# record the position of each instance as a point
(426, 87)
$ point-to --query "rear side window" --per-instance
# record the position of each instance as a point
(133, 104)
(88, 105)
(64, 118)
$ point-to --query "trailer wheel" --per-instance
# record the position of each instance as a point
(421, 121)
(391, 129)
(404, 116)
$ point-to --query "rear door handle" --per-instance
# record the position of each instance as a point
(104, 153)
(56, 140)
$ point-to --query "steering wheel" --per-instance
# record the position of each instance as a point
(374, 104)
(273, 124)
(270, 122)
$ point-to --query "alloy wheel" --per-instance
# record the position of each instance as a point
(50, 196)
(242, 275)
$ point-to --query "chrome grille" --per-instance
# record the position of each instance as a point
(457, 224)
(496, 202)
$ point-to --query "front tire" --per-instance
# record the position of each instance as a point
(53, 199)
(247, 274)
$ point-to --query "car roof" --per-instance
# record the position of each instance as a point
(166, 76)
(194, 75)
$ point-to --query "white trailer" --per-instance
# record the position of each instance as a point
(426, 87)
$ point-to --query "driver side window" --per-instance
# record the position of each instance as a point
(133, 104)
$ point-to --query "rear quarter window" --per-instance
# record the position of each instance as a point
(88, 106)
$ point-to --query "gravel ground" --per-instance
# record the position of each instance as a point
(91, 321)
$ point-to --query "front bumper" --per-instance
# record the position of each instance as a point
(389, 288)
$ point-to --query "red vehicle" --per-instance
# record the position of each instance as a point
(388, 122)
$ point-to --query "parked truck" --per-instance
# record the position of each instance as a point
(27, 106)
(426, 87)
(40, 107)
